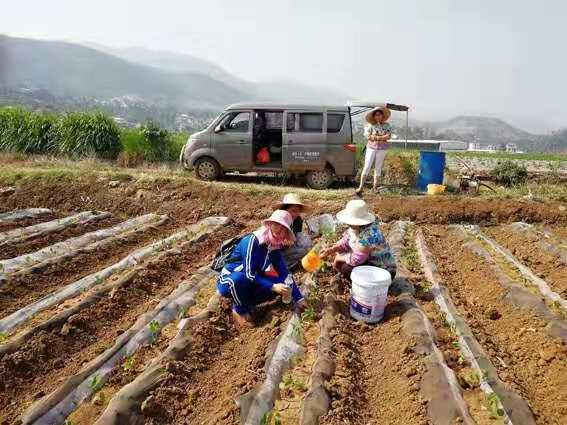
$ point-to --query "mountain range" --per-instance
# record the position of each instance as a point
(180, 91)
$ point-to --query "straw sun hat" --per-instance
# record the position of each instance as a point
(356, 213)
(291, 199)
(370, 115)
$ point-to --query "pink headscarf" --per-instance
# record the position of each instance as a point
(266, 236)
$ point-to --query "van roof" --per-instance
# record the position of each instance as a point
(292, 106)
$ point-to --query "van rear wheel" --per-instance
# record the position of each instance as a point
(207, 169)
(320, 179)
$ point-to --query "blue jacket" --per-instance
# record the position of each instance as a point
(253, 259)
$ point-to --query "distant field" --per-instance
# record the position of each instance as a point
(528, 156)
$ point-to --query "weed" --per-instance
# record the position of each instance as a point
(96, 383)
(154, 331)
(509, 173)
(128, 364)
(493, 406)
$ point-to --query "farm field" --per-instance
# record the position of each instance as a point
(108, 311)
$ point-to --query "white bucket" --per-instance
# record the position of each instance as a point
(369, 293)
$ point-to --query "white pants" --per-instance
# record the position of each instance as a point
(376, 158)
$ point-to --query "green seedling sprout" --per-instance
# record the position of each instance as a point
(68, 422)
(455, 344)
(297, 329)
(472, 378)
(308, 315)
(271, 418)
(3, 337)
(182, 312)
(96, 383)
(154, 331)
(493, 402)
(461, 360)
(128, 364)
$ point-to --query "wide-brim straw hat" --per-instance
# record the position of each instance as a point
(292, 199)
(281, 217)
(356, 213)
(370, 115)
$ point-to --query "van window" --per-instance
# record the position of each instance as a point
(274, 120)
(335, 122)
(311, 122)
(290, 124)
(237, 122)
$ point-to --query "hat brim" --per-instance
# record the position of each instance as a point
(345, 217)
(299, 204)
(290, 230)
(370, 115)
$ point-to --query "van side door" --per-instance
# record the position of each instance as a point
(232, 141)
(304, 141)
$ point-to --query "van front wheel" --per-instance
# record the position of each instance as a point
(320, 179)
(207, 169)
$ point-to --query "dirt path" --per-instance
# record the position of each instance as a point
(14, 250)
(24, 290)
(544, 264)
(527, 358)
(40, 365)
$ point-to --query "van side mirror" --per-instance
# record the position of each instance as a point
(219, 128)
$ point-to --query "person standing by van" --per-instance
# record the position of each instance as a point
(292, 204)
(377, 131)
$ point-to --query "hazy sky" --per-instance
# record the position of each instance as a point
(501, 57)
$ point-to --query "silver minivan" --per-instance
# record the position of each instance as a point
(311, 141)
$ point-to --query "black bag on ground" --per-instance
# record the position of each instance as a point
(224, 253)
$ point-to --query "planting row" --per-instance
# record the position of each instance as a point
(471, 334)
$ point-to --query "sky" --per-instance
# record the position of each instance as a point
(503, 58)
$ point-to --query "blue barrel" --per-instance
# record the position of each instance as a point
(431, 169)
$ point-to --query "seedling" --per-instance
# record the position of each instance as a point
(455, 344)
(461, 360)
(182, 312)
(308, 315)
(128, 364)
(289, 381)
(154, 331)
(68, 422)
(472, 378)
(3, 337)
(493, 403)
(271, 418)
(96, 383)
(297, 329)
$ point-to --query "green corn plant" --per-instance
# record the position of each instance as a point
(154, 331)
(96, 383)
(297, 329)
(182, 312)
(128, 364)
(308, 315)
(492, 403)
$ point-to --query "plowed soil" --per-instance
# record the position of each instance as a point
(34, 244)
(377, 376)
(543, 263)
(4, 227)
(40, 365)
(23, 290)
(177, 199)
(527, 358)
(221, 365)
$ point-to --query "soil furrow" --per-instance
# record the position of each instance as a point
(40, 365)
(544, 264)
(527, 359)
(25, 247)
(23, 290)
(221, 365)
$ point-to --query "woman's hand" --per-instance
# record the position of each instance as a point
(338, 260)
(281, 289)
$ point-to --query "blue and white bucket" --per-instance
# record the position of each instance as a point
(369, 293)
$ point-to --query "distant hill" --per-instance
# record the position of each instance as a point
(284, 91)
(482, 129)
(72, 70)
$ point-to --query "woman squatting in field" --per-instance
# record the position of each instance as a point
(362, 244)
(256, 271)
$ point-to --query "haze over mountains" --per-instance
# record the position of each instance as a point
(178, 90)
